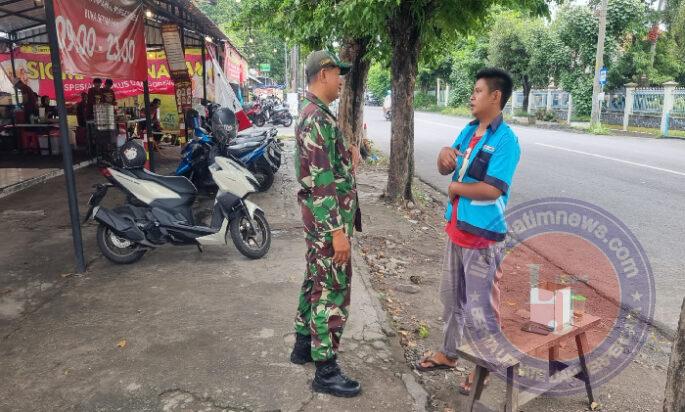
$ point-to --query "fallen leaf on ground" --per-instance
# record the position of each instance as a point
(594, 406)
(121, 344)
(66, 275)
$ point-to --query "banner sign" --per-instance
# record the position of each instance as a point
(33, 67)
(235, 66)
(175, 57)
(102, 38)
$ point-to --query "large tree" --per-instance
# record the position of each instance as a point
(413, 25)
(321, 25)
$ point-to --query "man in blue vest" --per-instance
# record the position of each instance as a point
(483, 160)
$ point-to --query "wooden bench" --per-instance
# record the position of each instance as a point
(528, 344)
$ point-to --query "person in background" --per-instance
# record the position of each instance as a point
(50, 111)
(94, 97)
(108, 94)
(81, 110)
(154, 120)
(29, 100)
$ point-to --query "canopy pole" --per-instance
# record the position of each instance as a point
(14, 71)
(67, 159)
(148, 124)
(204, 73)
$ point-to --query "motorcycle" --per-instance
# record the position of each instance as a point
(260, 153)
(281, 115)
(158, 210)
(256, 114)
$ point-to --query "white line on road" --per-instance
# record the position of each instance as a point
(661, 169)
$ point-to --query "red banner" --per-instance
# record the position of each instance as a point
(102, 38)
(33, 67)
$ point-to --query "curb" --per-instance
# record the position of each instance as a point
(17, 187)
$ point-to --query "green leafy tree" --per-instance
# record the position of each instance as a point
(469, 56)
(257, 44)
(378, 82)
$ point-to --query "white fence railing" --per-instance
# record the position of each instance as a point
(654, 107)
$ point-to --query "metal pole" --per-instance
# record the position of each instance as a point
(652, 49)
(14, 71)
(148, 124)
(285, 68)
(599, 63)
(64, 136)
(204, 73)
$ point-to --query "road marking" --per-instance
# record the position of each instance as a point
(661, 169)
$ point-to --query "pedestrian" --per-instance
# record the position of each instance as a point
(156, 132)
(328, 199)
(94, 97)
(483, 161)
(108, 94)
(81, 110)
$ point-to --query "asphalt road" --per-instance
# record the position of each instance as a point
(639, 180)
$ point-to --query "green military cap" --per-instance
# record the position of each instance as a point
(319, 59)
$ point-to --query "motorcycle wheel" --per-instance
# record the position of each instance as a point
(117, 249)
(253, 241)
(264, 174)
(259, 120)
(288, 120)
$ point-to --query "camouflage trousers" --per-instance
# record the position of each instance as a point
(324, 299)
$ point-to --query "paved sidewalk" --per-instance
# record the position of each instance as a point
(179, 330)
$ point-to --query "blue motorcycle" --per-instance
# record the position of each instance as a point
(258, 152)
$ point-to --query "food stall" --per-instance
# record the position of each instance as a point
(70, 42)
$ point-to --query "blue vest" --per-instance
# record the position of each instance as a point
(493, 160)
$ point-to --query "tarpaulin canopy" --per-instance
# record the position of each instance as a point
(98, 37)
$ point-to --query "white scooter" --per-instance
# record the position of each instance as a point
(158, 210)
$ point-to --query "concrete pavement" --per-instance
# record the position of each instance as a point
(179, 330)
(639, 180)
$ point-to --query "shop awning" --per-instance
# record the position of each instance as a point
(24, 21)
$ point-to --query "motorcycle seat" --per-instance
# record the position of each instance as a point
(242, 148)
(178, 184)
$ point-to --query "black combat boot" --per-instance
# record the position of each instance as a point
(302, 351)
(329, 379)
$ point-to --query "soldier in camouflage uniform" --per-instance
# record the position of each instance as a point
(328, 199)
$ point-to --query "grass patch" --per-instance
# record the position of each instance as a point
(648, 130)
(599, 129)
(421, 198)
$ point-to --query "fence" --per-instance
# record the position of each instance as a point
(555, 101)
(660, 108)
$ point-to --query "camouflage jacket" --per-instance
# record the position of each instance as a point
(323, 164)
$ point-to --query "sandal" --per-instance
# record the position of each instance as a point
(429, 358)
(465, 387)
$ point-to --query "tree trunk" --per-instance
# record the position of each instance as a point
(351, 108)
(674, 398)
(404, 38)
(526, 93)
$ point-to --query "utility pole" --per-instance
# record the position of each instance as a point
(599, 63)
(655, 33)
(294, 58)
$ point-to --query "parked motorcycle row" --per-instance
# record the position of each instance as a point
(158, 209)
(271, 111)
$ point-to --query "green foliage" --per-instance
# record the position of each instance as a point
(599, 130)
(544, 115)
(423, 100)
(468, 57)
(267, 46)
(378, 81)
(579, 84)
